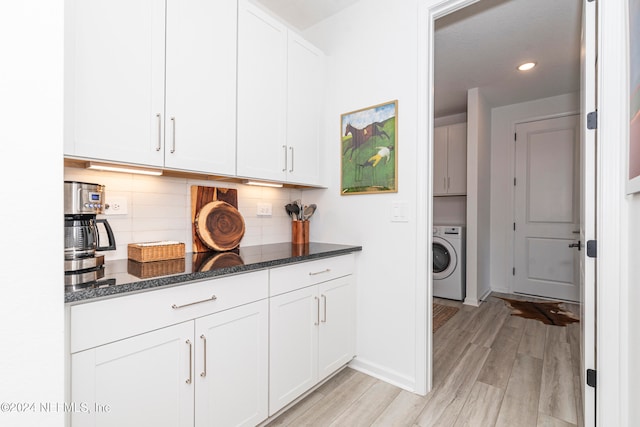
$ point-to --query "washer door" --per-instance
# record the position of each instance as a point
(445, 259)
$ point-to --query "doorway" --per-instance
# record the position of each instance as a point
(425, 106)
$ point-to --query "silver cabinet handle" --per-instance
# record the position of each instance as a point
(285, 158)
(190, 360)
(204, 372)
(292, 157)
(175, 306)
(448, 182)
(320, 272)
(317, 311)
(173, 135)
(159, 146)
(324, 315)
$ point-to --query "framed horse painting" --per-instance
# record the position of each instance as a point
(369, 150)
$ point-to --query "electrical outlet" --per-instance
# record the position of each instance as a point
(265, 209)
(116, 206)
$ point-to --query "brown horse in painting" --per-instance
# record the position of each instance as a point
(360, 136)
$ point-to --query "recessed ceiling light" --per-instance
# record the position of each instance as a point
(526, 66)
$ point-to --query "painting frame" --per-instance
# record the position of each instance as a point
(369, 150)
(633, 51)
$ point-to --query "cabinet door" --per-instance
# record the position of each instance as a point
(200, 125)
(305, 95)
(262, 91)
(337, 325)
(457, 159)
(146, 380)
(232, 366)
(293, 361)
(440, 160)
(114, 80)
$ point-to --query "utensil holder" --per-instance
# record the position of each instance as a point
(299, 232)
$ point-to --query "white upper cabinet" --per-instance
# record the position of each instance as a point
(450, 160)
(305, 96)
(280, 101)
(262, 95)
(115, 79)
(159, 83)
(200, 121)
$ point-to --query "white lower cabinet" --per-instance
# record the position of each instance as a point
(223, 352)
(312, 334)
(337, 331)
(137, 381)
(209, 370)
(232, 367)
(294, 346)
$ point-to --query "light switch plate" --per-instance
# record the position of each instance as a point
(399, 211)
(116, 206)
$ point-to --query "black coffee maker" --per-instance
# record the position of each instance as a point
(82, 202)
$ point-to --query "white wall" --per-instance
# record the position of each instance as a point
(450, 210)
(159, 208)
(503, 121)
(478, 197)
(372, 59)
(31, 269)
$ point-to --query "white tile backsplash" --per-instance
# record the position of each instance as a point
(159, 208)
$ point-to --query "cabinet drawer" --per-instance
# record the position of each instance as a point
(101, 322)
(289, 278)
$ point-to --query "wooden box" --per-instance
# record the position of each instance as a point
(155, 251)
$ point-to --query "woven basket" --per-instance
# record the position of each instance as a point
(155, 251)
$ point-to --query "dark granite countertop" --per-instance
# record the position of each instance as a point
(126, 276)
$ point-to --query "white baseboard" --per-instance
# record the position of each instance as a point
(383, 374)
(486, 295)
(501, 290)
(471, 301)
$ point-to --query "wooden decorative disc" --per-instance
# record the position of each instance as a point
(220, 226)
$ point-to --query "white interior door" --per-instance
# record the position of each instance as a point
(588, 140)
(546, 208)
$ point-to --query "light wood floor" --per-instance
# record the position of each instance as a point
(490, 369)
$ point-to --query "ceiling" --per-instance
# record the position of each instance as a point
(302, 14)
(481, 46)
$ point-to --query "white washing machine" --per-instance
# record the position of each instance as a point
(449, 265)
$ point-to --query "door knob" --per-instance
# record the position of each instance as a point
(576, 245)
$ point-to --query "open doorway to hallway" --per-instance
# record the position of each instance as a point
(494, 102)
